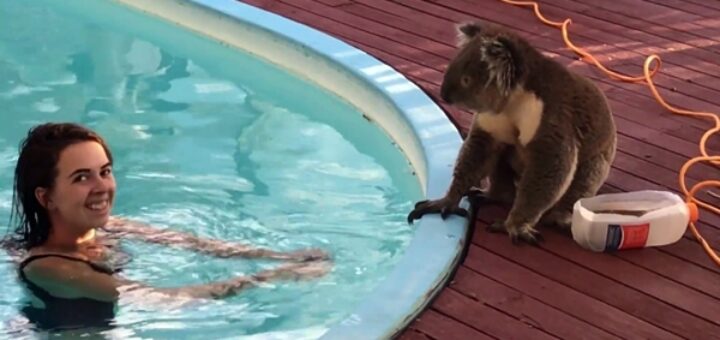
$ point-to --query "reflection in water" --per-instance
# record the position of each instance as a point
(133, 84)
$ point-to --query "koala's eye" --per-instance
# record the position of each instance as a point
(465, 81)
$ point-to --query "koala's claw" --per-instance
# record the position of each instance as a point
(435, 206)
(527, 235)
(421, 203)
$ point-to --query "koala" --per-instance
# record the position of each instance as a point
(541, 135)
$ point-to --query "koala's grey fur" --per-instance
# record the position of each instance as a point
(543, 135)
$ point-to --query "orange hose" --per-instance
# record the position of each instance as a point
(647, 77)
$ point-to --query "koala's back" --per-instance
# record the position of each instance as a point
(575, 103)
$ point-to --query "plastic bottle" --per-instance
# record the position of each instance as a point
(631, 220)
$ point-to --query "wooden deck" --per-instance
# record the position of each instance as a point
(559, 290)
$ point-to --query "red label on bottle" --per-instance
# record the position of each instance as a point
(634, 236)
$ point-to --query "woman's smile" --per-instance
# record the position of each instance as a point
(99, 206)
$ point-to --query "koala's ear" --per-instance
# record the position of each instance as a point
(467, 31)
(516, 55)
(499, 49)
(507, 61)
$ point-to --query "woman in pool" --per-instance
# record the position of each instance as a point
(64, 192)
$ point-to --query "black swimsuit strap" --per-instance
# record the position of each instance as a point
(96, 266)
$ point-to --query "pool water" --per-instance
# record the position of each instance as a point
(212, 141)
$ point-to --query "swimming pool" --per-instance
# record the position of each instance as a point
(213, 137)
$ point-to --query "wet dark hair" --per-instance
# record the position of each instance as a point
(37, 167)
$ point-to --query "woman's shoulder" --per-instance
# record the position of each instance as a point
(40, 262)
(67, 275)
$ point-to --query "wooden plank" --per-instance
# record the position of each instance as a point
(412, 334)
(429, 8)
(635, 164)
(611, 291)
(699, 60)
(443, 33)
(690, 250)
(437, 29)
(672, 268)
(589, 309)
(691, 300)
(635, 29)
(644, 11)
(343, 31)
(524, 307)
(398, 36)
(438, 326)
(336, 3)
(641, 131)
(645, 101)
(664, 121)
(708, 9)
(647, 175)
(660, 157)
(666, 26)
(483, 318)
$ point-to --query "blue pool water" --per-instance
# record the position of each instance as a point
(208, 140)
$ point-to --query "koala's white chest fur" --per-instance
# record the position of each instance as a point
(518, 123)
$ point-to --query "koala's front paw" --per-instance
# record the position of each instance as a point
(444, 206)
(525, 233)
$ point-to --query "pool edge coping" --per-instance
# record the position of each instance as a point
(435, 135)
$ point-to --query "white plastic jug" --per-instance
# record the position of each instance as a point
(638, 219)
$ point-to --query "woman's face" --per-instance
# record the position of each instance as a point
(84, 189)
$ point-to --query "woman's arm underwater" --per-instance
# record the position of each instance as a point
(74, 279)
(120, 227)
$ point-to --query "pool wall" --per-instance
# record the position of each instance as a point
(418, 126)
